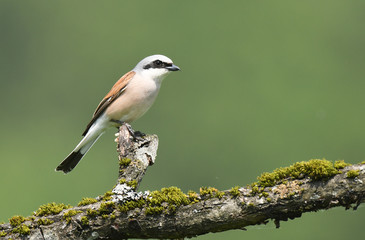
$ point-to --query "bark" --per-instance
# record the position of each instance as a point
(208, 212)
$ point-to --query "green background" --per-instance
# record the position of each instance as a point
(264, 84)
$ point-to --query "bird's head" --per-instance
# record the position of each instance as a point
(155, 66)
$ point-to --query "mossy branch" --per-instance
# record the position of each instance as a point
(124, 213)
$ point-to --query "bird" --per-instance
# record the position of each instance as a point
(130, 97)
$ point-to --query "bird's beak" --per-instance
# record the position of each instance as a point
(173, 68)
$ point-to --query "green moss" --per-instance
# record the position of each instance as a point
(219, 194)
(132, 184)
(193, 197)
(255, 189)
(340, 164)
(106, 208)
(211, 192)
(51, 209)
(130, 205)
(69, 214)
(352, 173)
(207, 191)
(3, 234)
(31, 218)
(264, 194)
(251, 205)
(234, 191)
(154, 210)
(291, 194)
(172, 196)
(91, 212)
(107, 196)
(87, 201)
(268, 199)
(22, 230)
(125, 162)
(84, 221)
(112, 215)
(16, 220)
(44, 221)
(122, 180)
(316, 169)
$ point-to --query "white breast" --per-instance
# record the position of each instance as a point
(137, 98)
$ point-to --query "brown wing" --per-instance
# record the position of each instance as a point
(113, 94)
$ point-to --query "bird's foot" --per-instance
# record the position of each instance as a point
(137, 135)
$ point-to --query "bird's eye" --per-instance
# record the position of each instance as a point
(158, 63)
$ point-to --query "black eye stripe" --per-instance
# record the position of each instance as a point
(157, 64)
(148, 66)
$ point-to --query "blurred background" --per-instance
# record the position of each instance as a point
(264, 84)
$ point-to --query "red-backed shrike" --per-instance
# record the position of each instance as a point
(130, 97)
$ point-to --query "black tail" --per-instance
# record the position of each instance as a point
(70, 162)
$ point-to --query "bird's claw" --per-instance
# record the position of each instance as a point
(137, 135)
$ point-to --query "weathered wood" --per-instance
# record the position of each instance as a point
(210, 213)
(135, 155)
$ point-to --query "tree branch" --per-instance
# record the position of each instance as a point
(124, 213)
